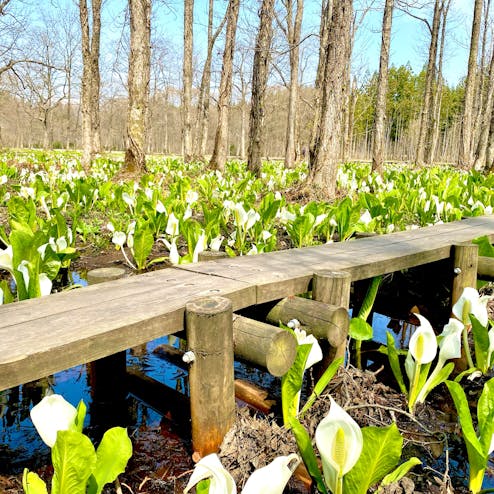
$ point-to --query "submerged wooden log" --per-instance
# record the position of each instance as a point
(253, 395)
(322, 320)
(264, 345)
(208, 323)
(485, 268)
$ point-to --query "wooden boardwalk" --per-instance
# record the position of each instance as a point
(42, 336)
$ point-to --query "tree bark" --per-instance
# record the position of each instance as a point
(378, 141)
(90, 83)
(218, 159)
(466, 158)
(260, 72)
(430, 80)
(187, 80)
(294, 27)
(138, 83)
(325, 149)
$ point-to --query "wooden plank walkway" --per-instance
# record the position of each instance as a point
(43, 336)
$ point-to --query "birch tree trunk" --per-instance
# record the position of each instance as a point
(90, 83)
(293, 31)
(378, 141)
(260, 72)
(218, 159)
(138, 84)
(325, 149)
(430, 80)
(187, 80)
(465, 158)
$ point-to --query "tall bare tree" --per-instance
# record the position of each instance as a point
(378, 141)
(325, 147)
(466, 158)
(430, 81)
(91, 79)
(138, 83)
(218, 158)
(260, 73)
(187, 80)
(201, 137)
(292, 30)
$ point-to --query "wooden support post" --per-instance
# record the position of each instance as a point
(322, 320)
(264, 345)
(332, 287)
(208, 324)
(107, 376)
(465, 265)
(485, 269)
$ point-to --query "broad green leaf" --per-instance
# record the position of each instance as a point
(7, 294)
(74, 460)
(291, 383)
(477, 457)
(394, 362)
(32, 483)
(485, 247)
(380, 454)
(307, 453)
(143, 244)
(359, 329)
(112, 454)
(481, 342)
(485, 414)
(441, 377)
(398, 473)
(322, 383)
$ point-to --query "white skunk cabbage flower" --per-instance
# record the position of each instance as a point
(315, 354)
(272, 478)
(450, 340)
(6, 259)
(201, 246)
(119, 239)
(210, 467)
(423, 343)
(172, 226)
(339, 441)
(45, 284)
(52, 414)
(470, 302)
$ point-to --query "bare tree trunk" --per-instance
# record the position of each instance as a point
(432, 141)
(430, 79)
(218, 159)
(201, 137)
(382, 90)
(187, 80)
(466, 158)
(326, 15)
(260, 72)
(325, 150)
(138, 83)
(293, 30)
(90, 84)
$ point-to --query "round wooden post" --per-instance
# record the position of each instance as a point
(465, 265)
(208, 325)
(333, 287)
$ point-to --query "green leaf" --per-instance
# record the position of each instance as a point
(322, 383)
(477, 456)
(359, 329)
(485, 247)
(307, 453)
(370, 298)
(398, 473)
(394, 362)
(481, 342)
(143, 243)
(202, 487)
(32, 483)
(485, 414)
(381, 453)
(81, 415)
(291, 383)
(7, 294)
(112, 454)
(441, 377)
(74, 459)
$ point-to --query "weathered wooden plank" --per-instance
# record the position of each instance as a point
(34, 346)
